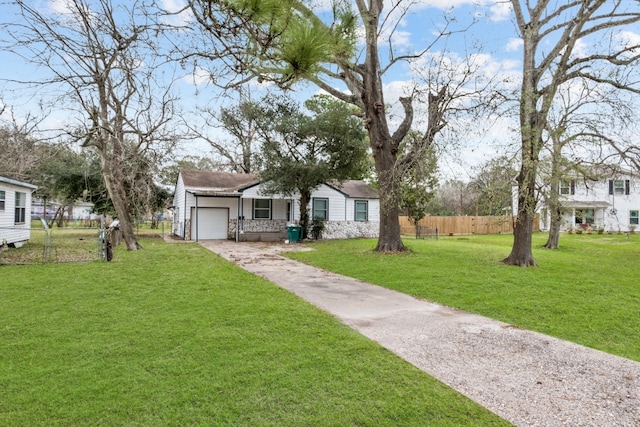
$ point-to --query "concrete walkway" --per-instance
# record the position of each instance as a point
(525, 377)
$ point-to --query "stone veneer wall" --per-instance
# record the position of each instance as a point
(258, 226)
(332, 229)
(350, 229)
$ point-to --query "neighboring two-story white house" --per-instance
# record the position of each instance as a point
(610, 201)
(15, 211)
(222, 205)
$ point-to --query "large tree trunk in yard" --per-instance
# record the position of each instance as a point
(521, 251)
(114, 182)
(383, 146)
(531, 124)
(553, 241)
(389, 239)
(305, 198)
(521, 254)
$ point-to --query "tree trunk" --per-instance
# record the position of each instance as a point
(305, 198)
(521, 252)
(531, 125)
(553, 241)
(555, 209)
(382, 145)
(389, 239)
(114, 182)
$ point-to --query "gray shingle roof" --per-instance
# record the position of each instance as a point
(224, 182)
(355, 189)
(212, 183)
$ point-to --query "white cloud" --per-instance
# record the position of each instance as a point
(444, 4)
(628, 39)
(198, 77)
(514, 44)
(401, 38)
(500, 11)
(182, 16)
(61, 7)
(580, 49)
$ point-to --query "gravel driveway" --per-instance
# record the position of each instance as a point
(525, 377)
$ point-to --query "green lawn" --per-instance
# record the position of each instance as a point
(587, 292)
(174, 335)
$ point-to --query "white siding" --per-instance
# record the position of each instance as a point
(373, 209)
(278, 203)
(340, 208)
(255, 192)
(179, 208)
(9, 231)
(278, 208)
(614, 217)
(337, 203)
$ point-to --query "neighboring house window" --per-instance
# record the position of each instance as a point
(619, 187)
(362, 210)
(320, 208)
(633, 218)
(2, 196)
(262, 209)
(568, 187)
(21, 207)
(585, 216)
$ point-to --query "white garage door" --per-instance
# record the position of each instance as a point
(212, 223)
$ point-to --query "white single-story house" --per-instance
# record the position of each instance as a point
(609, 200)
(15, 211)
(79, 210)
(222, 205)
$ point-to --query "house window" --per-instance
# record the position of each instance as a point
(585, 216)
(568, 187)
(321, 208)
(262, 209)
(362, 210)
(633, 218)
(21, 207)
(619, 187)
(2, 198)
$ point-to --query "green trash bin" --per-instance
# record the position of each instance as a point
(294, 232)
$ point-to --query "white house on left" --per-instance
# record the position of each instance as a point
(15, 211)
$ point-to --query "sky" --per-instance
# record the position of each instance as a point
(484, 34)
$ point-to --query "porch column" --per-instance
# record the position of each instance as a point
(196, 225)
(238, 219)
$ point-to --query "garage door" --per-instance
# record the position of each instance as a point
(212, 223)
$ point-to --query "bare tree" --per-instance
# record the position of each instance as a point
(490, 187)
(20, 148)
(583, 132)
(103, 56)
(285, 42)
(240, 121)
(551, 34)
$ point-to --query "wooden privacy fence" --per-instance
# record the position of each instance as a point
(463, 224)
